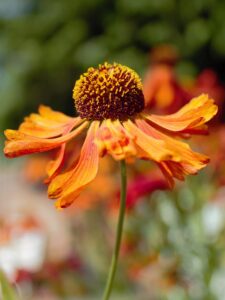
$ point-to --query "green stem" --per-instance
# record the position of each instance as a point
(113, 266)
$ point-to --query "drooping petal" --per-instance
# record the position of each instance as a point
(112, 139)
(172, 170)
(181, 151)
(167, 173)
(54, 165)
(154, 148)
(67, 186)
(184, 160)
(192, 116)
(19, 144)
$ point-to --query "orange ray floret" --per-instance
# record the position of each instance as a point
(48, 123)
(83, 173)
(184, 162)
(21, 144)
(192, 116)
(112, 139)
(111, 107)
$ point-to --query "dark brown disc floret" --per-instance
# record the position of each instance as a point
(111, 91)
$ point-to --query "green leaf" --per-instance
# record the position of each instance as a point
(7, 290)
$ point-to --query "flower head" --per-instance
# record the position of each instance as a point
(110, 103)
(109, 92)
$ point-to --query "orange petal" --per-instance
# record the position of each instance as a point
(112, 138)
(181, 151)
(154, 148)
(53, 115)
(67, 186)
(167, 173)
(19, 144)
(184, 160)
(54, 165)
(48, 123)
(192, 116)
(176, 170)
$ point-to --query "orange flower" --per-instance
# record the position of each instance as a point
(110, 103)
(163, 91)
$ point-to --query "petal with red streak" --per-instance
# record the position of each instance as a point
(113, 139)
(54, 166)
(19, 144)
(192, 116)
(67, 186)
(187, 161)
(48, 123)
(153, 147)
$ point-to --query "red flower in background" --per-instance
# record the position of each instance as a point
(142, 185)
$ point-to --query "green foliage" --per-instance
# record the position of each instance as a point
(177, 226)
(7, 290)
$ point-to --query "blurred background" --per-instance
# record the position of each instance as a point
(174, 241)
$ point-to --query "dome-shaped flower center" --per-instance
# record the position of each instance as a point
(111, 91)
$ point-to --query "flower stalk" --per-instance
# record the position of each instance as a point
(113, 266)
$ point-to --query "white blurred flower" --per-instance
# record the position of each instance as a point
(23, 252)
(24, 247)
(213, 219)
(217, 284)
